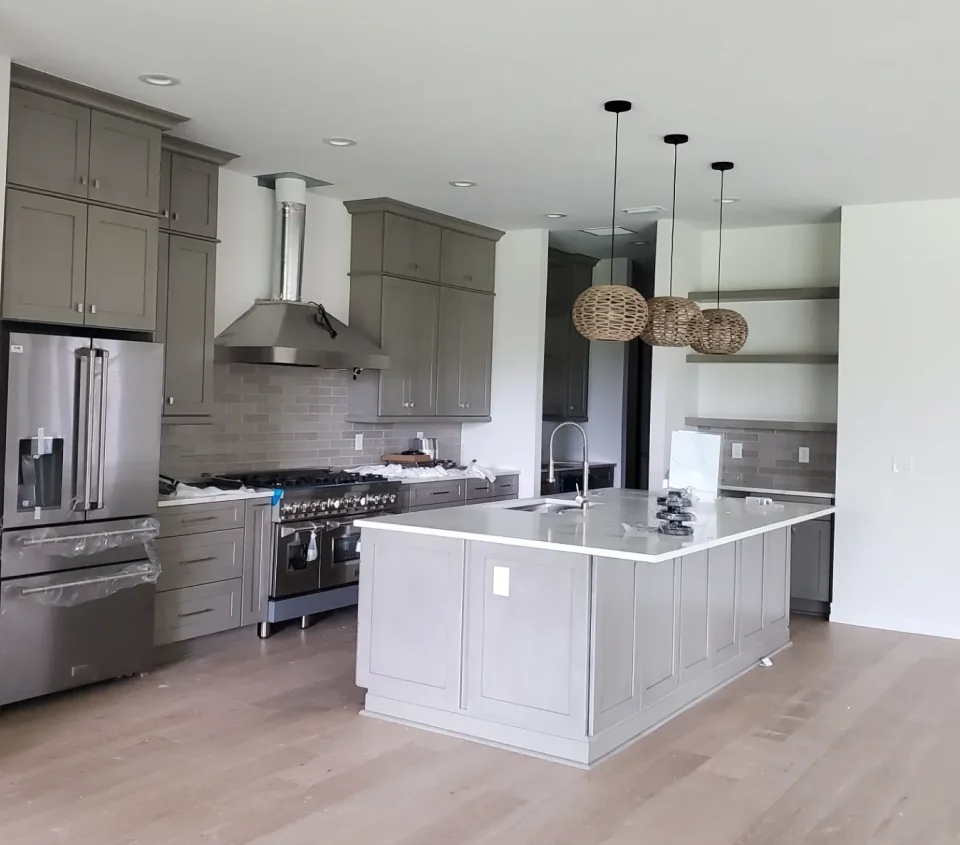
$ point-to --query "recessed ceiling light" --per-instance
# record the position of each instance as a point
(160, 79)
(555, 215)
(606, 231)
(463, 183)
(727, 200)
(339, 142)
(645, 209)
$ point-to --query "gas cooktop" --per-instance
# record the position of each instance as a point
(293, 478)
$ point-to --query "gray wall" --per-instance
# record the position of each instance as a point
(276, 417)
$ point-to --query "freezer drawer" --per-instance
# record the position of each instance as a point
(46, 646)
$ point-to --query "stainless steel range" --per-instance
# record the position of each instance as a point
(316, 548)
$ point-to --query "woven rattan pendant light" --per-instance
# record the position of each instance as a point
(673, 320)
(724, 331)
(611, 312)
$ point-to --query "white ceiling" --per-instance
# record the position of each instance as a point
(820, 103)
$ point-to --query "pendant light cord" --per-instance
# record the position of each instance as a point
(613, 210)
(720, 239)
(673, 224)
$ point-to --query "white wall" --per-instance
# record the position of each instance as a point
(513, 438)
(673, 383)
(898, 398)
(245, 253)
(4, 120)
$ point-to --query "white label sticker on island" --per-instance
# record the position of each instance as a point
(501, 581)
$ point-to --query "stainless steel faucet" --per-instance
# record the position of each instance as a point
(581, 497)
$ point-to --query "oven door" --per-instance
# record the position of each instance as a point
(340, 554)
(297, 566)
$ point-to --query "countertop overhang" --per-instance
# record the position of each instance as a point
(599, 530)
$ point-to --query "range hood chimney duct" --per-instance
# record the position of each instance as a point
(284, 329)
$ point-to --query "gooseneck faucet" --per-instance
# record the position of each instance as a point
(581, 497)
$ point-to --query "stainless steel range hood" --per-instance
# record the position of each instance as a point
(284, 330)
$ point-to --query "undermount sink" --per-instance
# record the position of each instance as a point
(545, 507)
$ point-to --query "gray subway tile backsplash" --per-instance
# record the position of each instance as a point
(280, 417)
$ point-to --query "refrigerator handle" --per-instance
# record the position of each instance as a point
(102, 451)
(85, 435)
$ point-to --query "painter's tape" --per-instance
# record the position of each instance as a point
(277, 496)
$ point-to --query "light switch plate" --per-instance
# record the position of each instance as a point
(738, 451)
(358, 442)
(804, 455)
(501, 580)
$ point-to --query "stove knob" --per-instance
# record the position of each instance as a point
(324, 504)
(363, 501)
(335, 503)
(373, 500)
(393, 498)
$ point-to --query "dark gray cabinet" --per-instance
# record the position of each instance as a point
(185, 304)
(465, 352)
(188, 195)
(811, 566)
(466, 261)
(411, 248)
(49, 144)
(44, 259)
(566, 353)
(409, 336)
(121, 278)
(124, 162)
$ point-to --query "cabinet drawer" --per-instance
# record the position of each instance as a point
(506, 485)
(194, 559)
(479, 488)
(195, 611)
(436, 493)
(466, 261)
(196, 519)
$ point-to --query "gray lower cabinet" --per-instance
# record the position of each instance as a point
(811, 546)
(751, 589)
(427, 495)
(465, 347)
(185, 311)
(257, 560)
(658, 609)
(121, 277)
(44, 259)
(467, 261)
(409, 335)
(124, 162)
(411, 248)
(195, 611)
(49, 144)
(527, 638)
(194, 559)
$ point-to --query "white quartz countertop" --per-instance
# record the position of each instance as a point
(599, 530)
(210, 498)
(497, 471)
(772, 491)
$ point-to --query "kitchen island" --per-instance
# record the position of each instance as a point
(562, 632)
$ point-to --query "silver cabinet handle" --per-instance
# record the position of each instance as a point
(83, 180)
(176, 215)
(32, 591)
(104, 382)
(198, 519)
(96, 183)
(468, 277)
(195, 612)
(79, 307)
(93, 309)
(169, 400)
(413, 404)
(197, 560)
(164, 212)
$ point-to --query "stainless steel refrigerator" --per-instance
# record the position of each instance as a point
(82, 454)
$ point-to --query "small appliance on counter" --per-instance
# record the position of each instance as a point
(675, 513)
(427, 445)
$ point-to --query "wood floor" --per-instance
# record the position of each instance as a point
(852, 737)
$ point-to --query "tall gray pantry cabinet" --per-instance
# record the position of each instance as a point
(422, 286)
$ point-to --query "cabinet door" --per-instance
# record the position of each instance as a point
(751, 589)
(556, 347)
(121, 288)
(409, 334)
(124, 162)
(810, 561)
(578, 358)
(44, 259)
(49, 143)
(411, 248)
(257, 560)
(776, 579)
(466, 261)
(188, 336)
(193, 196)
(465, 349)
(166, 165)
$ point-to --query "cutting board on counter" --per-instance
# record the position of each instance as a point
(412, 460)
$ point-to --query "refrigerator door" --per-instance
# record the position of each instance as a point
(126, 386)
(47, 378)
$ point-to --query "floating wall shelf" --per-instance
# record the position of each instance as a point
(766, 294)
(763, 359)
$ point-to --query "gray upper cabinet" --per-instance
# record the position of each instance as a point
(193, 196)
(465, 347)
(466, 261)
(422, 287)
(409, 335)
(121, 278)
(49, 144)
(411, 248)
(124, 162)
(166, 165)
(185, 324)
(44, 259)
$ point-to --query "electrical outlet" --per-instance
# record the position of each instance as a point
(738, 451)
(804, 457)
(903, 463)
(358, 442)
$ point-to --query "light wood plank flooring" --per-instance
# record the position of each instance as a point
(852, 737)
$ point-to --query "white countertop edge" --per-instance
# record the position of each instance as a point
(229, 496)
(497, 471)
(587, 550)
(775, 492)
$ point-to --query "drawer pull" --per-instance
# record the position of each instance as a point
(198, 519)
(195, 612)
(198, 560)
(441, 493)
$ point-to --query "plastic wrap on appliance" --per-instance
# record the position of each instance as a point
(53, 541)
(61, 590)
